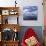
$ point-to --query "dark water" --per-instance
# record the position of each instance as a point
(30, 18)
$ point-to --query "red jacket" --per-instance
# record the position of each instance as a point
(29, 33)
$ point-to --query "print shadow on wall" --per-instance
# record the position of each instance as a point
(30, 13)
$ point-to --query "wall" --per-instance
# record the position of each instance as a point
(38, 3)
(44, 12)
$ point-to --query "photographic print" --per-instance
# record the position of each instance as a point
(5, 12)
(30, 13)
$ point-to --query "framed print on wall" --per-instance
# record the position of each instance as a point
(31, 15)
